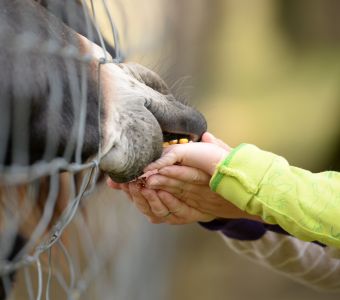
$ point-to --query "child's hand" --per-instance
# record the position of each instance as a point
(180, 194)
(204, 156)
(183, 191)
(190, 186)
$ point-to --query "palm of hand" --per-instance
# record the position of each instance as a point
(195, 195)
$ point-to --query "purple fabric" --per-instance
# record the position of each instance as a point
(240, 229)
(243, 229)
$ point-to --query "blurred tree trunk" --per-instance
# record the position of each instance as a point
(193, 26)
(311, 21)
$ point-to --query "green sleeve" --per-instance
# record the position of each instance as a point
(305, 204)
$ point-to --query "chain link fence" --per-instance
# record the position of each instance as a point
(55, 241)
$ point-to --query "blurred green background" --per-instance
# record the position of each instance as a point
(274, 77)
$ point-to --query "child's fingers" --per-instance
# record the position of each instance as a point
(187, 174)
(169, 158)
(202, 156)
(209, 138)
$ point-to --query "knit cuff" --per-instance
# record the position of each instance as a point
(237, 177)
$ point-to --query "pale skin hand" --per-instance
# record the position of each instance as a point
(183, 189)
(204, 156)
(156, 204)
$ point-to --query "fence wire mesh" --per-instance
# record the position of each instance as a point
(40, 198)
(53, 242)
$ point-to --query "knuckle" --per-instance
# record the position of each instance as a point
(196, 178)
(144, 210)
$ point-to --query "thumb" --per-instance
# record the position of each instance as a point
(209, 138)
(168, 158)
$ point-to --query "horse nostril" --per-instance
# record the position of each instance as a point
(147, 103)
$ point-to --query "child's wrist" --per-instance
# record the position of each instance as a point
(215, 160)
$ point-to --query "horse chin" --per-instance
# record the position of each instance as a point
(138, 144)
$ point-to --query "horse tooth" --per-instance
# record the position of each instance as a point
(166, 144)
(173, 142)
(183, 141)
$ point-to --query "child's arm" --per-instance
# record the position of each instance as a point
(261, 183)
(305, 204)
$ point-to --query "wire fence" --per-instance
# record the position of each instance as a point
(32, 216)
(45, 234)
(54, 240)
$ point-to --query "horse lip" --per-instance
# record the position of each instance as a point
(179, 119)
(190, 123)
(192, 136)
